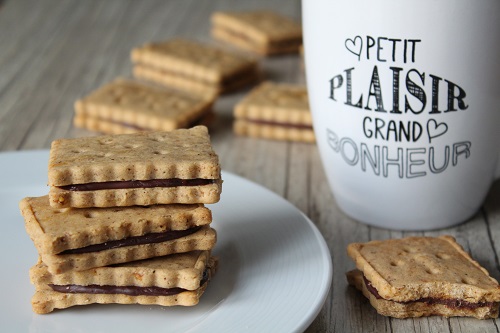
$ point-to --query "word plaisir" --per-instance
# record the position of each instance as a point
(424, 88)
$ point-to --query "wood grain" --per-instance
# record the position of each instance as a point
(53, 52)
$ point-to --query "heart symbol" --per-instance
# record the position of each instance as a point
(353, 46)
(434, 129)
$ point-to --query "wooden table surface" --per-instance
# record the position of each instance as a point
(53, 52)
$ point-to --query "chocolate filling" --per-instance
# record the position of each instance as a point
(275, 123)
(136, 240)
(117, 185)
(125, 290)
(451, 303)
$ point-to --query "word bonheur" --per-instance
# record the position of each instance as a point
(403, 162)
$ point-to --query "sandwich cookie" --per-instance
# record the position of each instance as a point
(423, 276)
(80, 239)
(275, 111)
(125, 106)
(134, 169)
(193, 66)
(263, 32)
(177, 279)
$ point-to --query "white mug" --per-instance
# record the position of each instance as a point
(405, 98)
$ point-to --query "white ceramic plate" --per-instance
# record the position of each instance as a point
(274, 274)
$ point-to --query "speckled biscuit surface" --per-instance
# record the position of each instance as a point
(203, 239)
(172, 79)
(264, 32)
(55, 230)
(193, 60)
(413, 268)
(182, 270)
(202, 88)
(138, 105)
(417, 308)
(111, 127)
(277, 102)
(206, 194)
(275, 111)
(182, 153)
(45, 301)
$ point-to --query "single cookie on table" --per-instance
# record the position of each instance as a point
(125, 106)
(193, 66)
(264, 32)
(177, 279)
(275, 111)
(423, 276)
(134, 169)
(80, 239)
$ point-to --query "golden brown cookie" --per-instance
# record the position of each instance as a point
(80, 239)
(111, 127)
(263, 32)
(275, 111)
(423, 307)
(134, 169)
(125, 106)
(415, 272)
(177, 279)
(194, 67)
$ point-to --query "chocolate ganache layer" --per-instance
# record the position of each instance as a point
(117, 185)
(125, 290)
(136, 240)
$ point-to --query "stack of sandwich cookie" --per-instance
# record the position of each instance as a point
(194, 67)
(423, 276)
(121, 251)
(275, 111)
(125, 106)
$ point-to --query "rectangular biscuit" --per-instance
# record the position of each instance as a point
(275, 111)
(264, 32)
(97, 124)
(134, 169)
(125, 106)
(80, 239)
(193, 66)
(203, 239)
(419, 308)
(177, 279)
(430, 270)
(201, 88)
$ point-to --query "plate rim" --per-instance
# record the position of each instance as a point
(323, 289)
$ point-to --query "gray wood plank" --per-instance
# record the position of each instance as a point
(61, 50)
